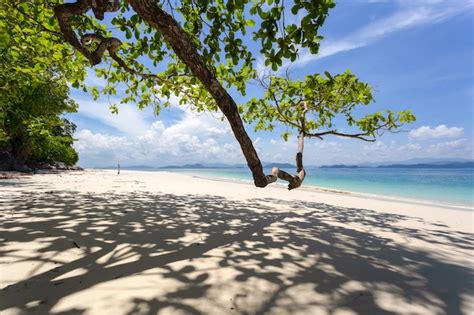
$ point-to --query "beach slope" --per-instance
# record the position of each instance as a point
(95, 242)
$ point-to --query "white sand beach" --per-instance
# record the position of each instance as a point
(95, 242)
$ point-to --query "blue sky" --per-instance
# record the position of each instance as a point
(415, 54)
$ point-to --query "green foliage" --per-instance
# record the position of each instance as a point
(33, 86)
(219, 29)
(313, 105)
(31, 124)
(30, 40)
(51, 139)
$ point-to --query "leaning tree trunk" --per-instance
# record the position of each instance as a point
(164, 23)
(150, 11)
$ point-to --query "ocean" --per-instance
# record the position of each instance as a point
(447, 186)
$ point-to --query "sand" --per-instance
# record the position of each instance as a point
(95, 242)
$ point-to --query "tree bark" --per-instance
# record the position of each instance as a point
(296, 180)
(63, 13)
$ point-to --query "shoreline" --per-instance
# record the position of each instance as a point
(356, 194)
(319, 189)
(458, 217)
(13, 175)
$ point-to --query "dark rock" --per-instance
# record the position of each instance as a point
(22, 168)
(6, 161)
(61, 166)
(46, 166)
(75, 168)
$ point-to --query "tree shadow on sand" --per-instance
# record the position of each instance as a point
(301, 259)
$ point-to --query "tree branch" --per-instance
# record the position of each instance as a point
(296, 180)
(63, 13)
(267, 86)
(188, 54)
(360, 136)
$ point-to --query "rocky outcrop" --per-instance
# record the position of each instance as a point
(8, 163)
(61, 166)
(75, 168)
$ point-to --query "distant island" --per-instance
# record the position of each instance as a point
(425, 165)
(343, 166)
(188, 166)
(415, 163)
(198, 166)
(418, 165)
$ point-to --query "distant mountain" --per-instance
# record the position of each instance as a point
(412, 163)
(222, 165)
(417, 161)
(342, 166)
(191, 166)
(241, 165)
(127, 167)
(131, 167)
(434, 165)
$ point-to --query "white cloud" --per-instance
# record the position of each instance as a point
(375, 146)
(194, 138)
(379, 151)
(331, 145)
(409, 147)
(277, 158)
(129, 120)
(451, 148)
(105, 148)
(93, 80)
(206, 139)
(441, 131)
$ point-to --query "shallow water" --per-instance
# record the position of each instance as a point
(453, 186)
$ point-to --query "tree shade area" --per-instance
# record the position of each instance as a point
(140, 233)
(193, 50)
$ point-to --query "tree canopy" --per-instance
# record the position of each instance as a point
(199, 52)
(34, 93)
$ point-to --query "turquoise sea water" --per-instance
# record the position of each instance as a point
(452, 186)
